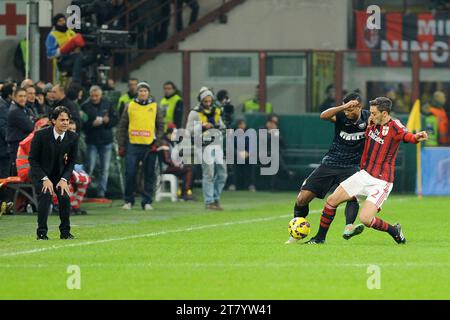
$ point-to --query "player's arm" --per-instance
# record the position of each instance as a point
(408, 137)
(330, 114)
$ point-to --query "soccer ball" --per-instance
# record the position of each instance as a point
(299, 228)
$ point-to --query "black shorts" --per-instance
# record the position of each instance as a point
(324, 178)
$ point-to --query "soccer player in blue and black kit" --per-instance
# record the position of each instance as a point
(341, 161)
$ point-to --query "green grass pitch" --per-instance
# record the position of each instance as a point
(181, 251)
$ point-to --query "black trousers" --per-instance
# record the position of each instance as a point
(44, 202)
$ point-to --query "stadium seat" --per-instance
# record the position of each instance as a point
(20, 188)
(173, 186)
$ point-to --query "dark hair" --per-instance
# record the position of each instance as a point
(170, 83)
(352, 96)
(56, 18)
(133, 79)
(73, 91)
(18, 90)
(222, 94)
(7, 90)
(382, 104)
(329, 87)
(58, 110)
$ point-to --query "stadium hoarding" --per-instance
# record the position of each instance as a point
(400, 33)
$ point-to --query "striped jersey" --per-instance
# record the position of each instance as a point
(381, 148)
(348, 142)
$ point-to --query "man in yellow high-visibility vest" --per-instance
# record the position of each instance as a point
(139, 134)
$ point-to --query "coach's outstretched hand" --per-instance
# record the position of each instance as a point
(421, 136)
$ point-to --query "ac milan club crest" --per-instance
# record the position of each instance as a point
(385, 130)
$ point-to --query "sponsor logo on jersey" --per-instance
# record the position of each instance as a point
(374, 136)
(352, 136)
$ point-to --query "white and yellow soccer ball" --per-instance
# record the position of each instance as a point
(299, 228)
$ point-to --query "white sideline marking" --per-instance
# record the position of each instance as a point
(155, 234)
(146, 235)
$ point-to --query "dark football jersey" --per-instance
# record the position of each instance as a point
(348, 143)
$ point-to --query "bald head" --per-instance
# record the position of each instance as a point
(58, 92)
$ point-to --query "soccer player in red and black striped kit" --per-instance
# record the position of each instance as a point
(375, 179)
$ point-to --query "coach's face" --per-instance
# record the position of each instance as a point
(61, 124)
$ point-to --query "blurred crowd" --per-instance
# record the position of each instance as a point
(134, 126)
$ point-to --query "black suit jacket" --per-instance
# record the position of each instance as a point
(44, 156)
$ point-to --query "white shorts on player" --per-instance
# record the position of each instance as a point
(363, 184)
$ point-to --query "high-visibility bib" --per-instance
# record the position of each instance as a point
(142, 119)
(168, 105)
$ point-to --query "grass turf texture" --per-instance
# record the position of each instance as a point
(181, 251)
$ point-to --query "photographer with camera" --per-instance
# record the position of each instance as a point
(64, 44)
(202, 119)
(224, 101)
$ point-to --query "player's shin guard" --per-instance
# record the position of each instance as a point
(301, 211)
(381, 225)
(325, 221)
(351, 211)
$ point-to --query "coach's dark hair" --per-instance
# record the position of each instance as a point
(352, 96)
(58, 110)
(8, 89)
(382, 103)
(19, 90)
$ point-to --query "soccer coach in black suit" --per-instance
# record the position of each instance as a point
(52, 158)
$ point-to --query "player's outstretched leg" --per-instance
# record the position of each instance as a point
(328, 213)
(301, 208)
(367, 217)
(351, 212)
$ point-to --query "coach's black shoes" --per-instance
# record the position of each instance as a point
(315, 240)
(41, 237)
(66, 236)
(399, 237)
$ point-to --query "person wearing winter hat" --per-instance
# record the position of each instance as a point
(63, 44)
(203, 118)
(140, 131)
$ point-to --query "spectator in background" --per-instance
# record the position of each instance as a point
(244, 174)
(252, 105)
(59, 95)
(437, 109)
(195, 8)
(26, 83)
(172, 105)
(431, 126)
(127, 97)
(49, 96)
(19, 125)
(224, 101)
(4, 155)
(174, 166)
(140, 131)
(7, 95)
(32, 104)
(40, 84)
(43, 107)
(64, 44)
(99, 136)
(201, 119)
(330, 100)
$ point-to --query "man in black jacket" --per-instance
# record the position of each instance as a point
(99, 136)
(4, 156)
(19, 125)
(52, 158)
(59, 95)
